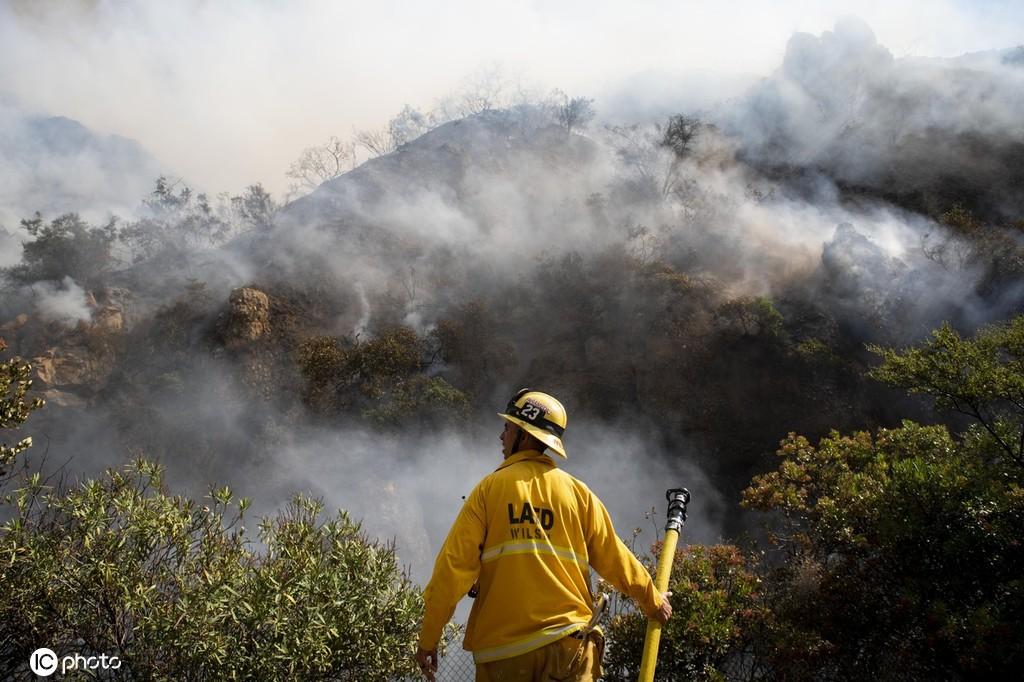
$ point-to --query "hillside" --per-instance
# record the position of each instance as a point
(54, 164)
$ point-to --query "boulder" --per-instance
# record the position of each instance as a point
(248, 316)
(109, 309)
(65, 367)
(15, 324)
(109, 320)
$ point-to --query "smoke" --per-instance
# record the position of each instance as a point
(403, 487)
(10, 249)
(471, 207)
(198, 82)
(56, 165)
(64, 302)
(842, 103)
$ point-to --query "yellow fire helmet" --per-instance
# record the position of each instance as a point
(540, 415)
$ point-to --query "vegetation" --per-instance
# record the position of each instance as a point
(177, 221)
(900, 547)
(67, 246)
(715, 612)
(381, 379)
(173, 588)
(900, 553)
(893, 554)
(982, 378)
(15, 407)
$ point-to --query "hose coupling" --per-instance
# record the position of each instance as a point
(677, 498)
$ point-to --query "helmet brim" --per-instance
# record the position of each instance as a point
(546, 437)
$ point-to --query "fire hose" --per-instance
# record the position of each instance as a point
(678, 498)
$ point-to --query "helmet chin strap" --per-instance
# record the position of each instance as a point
(519, 438)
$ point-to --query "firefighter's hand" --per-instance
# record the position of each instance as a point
(664, 611)
(427, 659)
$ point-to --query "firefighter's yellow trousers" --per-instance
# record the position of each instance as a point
(567, 660)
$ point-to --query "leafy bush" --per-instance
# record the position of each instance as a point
(751, 316)
(901, 554)
(982, 378)
(15, 407)
(174, 589)
(430, 401)
(715, 608)
(380, 380)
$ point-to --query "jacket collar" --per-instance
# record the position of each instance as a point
(523, 455)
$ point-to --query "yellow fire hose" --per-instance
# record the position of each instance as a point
(678, 498)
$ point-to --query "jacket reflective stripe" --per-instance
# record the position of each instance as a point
(539, 640)
(520, 547)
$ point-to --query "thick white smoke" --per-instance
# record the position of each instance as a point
(65, 302)
(56, 165)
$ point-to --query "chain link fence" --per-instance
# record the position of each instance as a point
(456, 666)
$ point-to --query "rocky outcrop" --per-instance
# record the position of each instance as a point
(15, 324)
(71, 363)
(67, 375)
(109, 310)
(248, 317)
(64, 367)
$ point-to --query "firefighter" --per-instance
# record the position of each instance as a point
(524, 541)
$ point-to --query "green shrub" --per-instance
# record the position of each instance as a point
(176, 591)
(714, 611)
(15, 407)
(901, 557)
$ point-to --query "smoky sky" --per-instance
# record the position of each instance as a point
(55, 165)
(227, 93)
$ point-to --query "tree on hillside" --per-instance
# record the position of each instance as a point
(376, 142)
(678, 134)
(655, 153)
(176, 221)
(677, 137)
(408, 124)
(318, 164)
(483, 90)
(255, 208)
(751, 316)
(67, 246)
(572, 113)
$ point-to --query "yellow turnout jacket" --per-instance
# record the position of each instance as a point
(528, 533)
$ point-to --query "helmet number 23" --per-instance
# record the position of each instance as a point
(530, 411)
